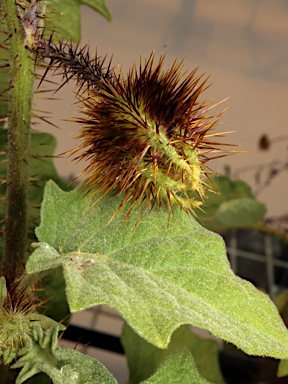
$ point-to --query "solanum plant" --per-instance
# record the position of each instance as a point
(127, 236)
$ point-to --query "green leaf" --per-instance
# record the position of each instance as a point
(91, 370)
(178, 368)
(45, 322)
(283, 368)
(281, 302)
(157, 276)
(240, 213)
(234, 206)
(99, 6)
(42, 354)
(64, 17)
(143, 358)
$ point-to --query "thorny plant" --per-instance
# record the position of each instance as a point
(147, 138)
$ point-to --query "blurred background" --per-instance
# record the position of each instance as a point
(242, 44)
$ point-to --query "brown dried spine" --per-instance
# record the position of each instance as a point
(146, 136)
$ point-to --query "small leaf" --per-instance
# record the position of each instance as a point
(45, 322)
(42, 354)
(178, 368)
(99, 6)
(143, 358)
(64, 17)
(233, 206)
(240, 213)
(91, 370)
(281, 302)
(157, 276)
(283, 368)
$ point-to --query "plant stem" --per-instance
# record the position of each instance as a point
(19, 116)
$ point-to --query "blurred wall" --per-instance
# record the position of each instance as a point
(241, 43)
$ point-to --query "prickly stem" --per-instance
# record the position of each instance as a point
(19, 115)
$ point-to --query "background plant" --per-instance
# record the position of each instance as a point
(158, 277)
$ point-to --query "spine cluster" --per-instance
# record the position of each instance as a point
(145, 136)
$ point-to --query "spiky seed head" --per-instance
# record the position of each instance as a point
(148, 137)
(17, 310)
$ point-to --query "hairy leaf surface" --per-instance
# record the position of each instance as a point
(178, 368)
(63, 366)
(144, 358)
(158, 276)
